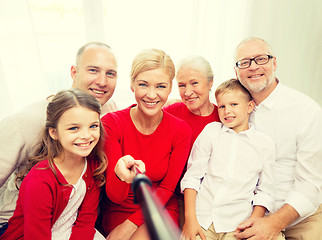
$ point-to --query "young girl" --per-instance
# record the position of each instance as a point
(143, 131)
(58, 198)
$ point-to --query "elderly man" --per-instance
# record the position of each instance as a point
(95, 72)
(293, 120)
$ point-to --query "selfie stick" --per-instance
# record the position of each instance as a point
(159, 223)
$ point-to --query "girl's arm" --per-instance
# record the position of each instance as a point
(36, 199)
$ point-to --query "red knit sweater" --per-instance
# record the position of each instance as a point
(41, 201)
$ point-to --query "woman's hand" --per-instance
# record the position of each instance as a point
(127, 167)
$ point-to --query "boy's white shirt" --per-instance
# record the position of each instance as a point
(226, 168)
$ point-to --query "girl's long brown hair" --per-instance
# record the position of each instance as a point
(50, 148)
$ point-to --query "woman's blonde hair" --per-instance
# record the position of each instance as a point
(150, 59)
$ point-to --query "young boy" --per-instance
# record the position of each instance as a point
(230, 170)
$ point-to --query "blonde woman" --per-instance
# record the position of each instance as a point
(144, 132)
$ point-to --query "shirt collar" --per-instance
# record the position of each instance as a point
(247, 132)
(271, 99)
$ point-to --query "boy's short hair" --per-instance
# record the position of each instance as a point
(230, 85)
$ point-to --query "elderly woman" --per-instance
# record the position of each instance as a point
(195, 79)
(144, 132)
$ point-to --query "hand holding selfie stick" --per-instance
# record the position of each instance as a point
(159, 223)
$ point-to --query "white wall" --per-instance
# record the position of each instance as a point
(39, 40)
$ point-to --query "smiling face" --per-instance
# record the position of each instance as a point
(78, 131)
(234, 108)
(96, 73)
(194, 89)
(151, 89)
(255, 78)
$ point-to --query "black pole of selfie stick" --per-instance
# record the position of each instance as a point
(159, 223)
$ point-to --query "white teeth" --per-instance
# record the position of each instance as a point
(151, 103)
(83, 144)
(255, 76)
(191, 99)
(97, 91)
(230, 118)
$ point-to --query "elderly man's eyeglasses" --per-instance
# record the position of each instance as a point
(259, 60)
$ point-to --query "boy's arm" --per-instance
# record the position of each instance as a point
(191, 227)
(198, 164)
(258, 211)
(198, 161)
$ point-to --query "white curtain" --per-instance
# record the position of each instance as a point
(39, 40)
(20, 65)
(294, 30)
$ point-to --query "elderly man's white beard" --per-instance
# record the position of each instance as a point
(259, 86)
